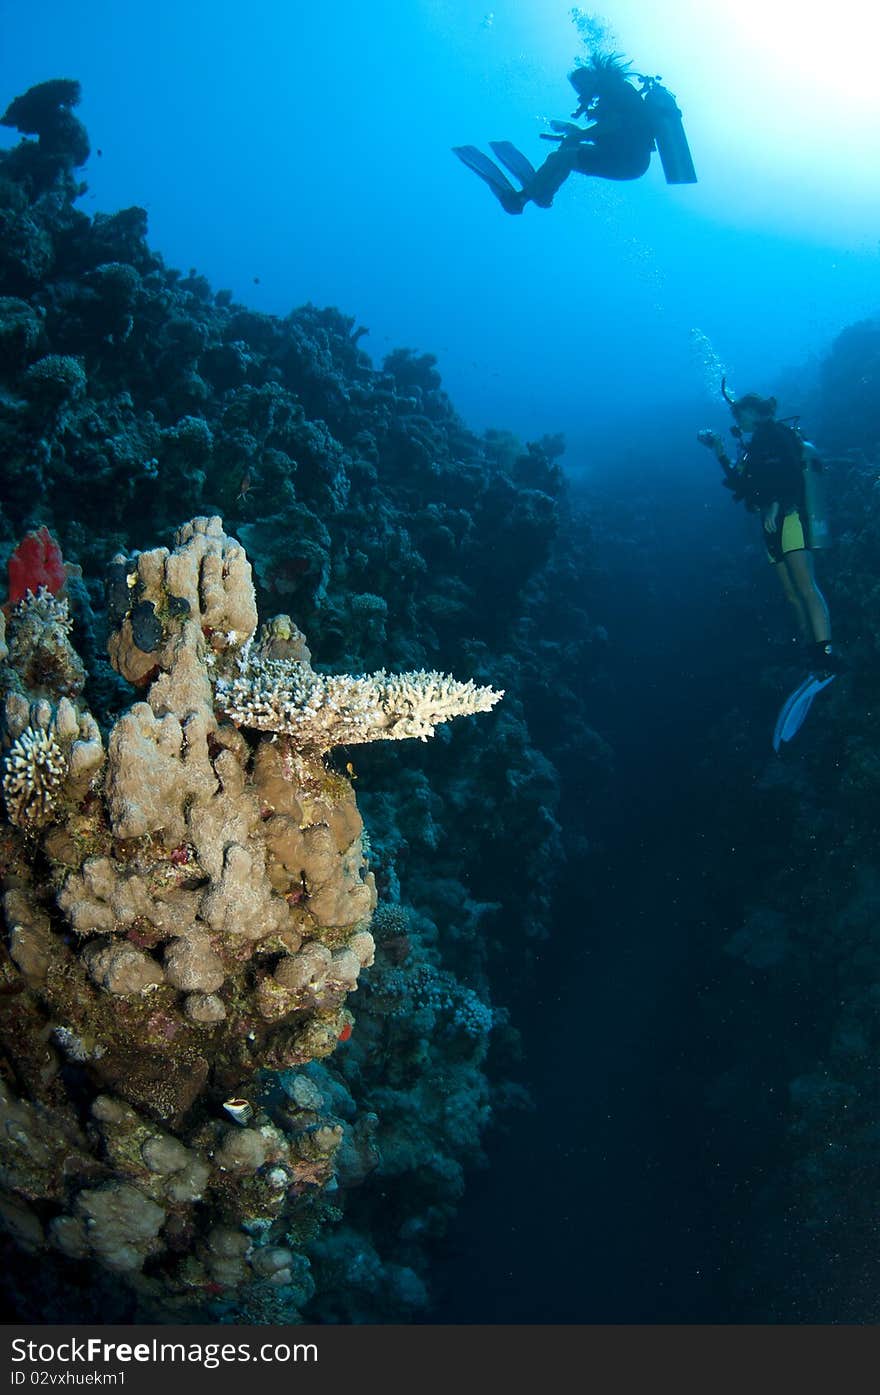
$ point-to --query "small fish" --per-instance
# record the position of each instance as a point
(245, 487)
(241, 1110)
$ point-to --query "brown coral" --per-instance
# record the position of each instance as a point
(189, 911)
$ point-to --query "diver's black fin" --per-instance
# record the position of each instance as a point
(489, 172)
(514, 160)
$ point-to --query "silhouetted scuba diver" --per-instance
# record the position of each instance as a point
(625, 126)
(777, 474)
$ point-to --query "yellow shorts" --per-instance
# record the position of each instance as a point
(791, 537)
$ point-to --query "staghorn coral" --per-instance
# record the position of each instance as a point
(188, 913)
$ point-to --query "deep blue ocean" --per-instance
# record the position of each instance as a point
(303, 154)
(651, 1157)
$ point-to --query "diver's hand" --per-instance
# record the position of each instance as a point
(713, 441)
(569, 131)
(770, 518)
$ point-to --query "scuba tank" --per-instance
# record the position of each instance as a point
(815, 507)
(672, 146)
(818, 530)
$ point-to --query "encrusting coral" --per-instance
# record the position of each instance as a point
(188, 911)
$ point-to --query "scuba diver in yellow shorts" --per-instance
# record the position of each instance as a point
(776, 473)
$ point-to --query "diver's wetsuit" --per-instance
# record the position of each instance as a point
(771, 471)
(619, 146)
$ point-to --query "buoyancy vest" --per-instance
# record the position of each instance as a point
(770, 469)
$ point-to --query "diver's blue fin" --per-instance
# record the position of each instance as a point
(795, 708)
(514, 160)
(489, 172)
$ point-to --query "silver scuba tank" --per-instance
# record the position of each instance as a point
(814, 501)
(672, 146)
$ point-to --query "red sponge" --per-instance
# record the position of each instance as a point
(36, 562)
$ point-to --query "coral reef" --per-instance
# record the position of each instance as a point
(188, 914)
(134, 396)
(45, 111)
(848, 390)
(397, 536)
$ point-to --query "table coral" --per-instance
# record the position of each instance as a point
(322, 711)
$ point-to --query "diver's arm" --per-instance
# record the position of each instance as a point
(812, 458)
(568, 133)
(770, 517)
(715, 443)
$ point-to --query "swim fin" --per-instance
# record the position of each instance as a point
(511, 199)
(514, 160)
(796, 706)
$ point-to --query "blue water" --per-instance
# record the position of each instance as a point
(295, 153)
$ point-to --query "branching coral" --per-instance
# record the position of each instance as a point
(40, 654)
(33, 776)
(322, 711)
(54, 755)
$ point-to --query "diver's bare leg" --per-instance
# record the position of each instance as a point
(797, 568)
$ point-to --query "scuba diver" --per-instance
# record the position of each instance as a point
(625, 126)
(777, 473)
